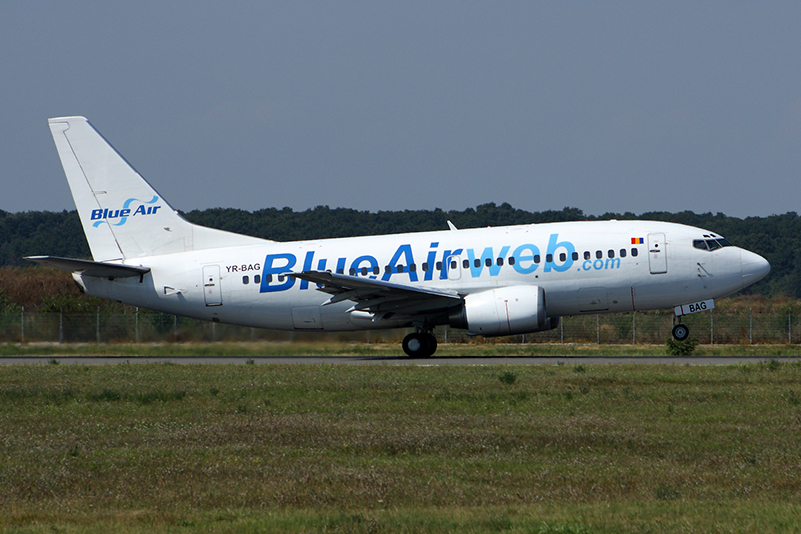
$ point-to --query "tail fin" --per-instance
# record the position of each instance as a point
(122, 215)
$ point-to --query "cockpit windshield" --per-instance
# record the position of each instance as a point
(711, 243)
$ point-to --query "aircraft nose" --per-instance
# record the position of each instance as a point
(754, 267)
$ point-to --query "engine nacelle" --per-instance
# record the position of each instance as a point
(504, 311)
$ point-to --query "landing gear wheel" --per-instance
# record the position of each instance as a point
(432, 344)
(681, 332)
(419, 345)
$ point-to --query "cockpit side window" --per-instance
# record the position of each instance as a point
(711, 244)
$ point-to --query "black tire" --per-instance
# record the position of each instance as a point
(681, 332)
(432, 344)
(419, 345)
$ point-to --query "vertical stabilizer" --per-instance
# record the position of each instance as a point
(122, 215)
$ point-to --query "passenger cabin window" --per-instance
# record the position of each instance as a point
(610, 253)
(466, 263)
(536, 258)
(439, 265)
(599, 254)
(511, 260)
(257, 279)
(634, 252)
(574, 256)
(500, 262)
(488, 262)
(562, 257)
(622, 252)
(587, 255)
(364, 271)
(548, 258)
(245, 280)
(425, 267)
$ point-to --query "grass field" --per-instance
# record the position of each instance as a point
(352, 449)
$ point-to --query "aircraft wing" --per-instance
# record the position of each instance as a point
(90, 268)
(382, 299)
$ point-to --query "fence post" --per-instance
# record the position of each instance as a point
(711, 328)
(633, 328)
(175, 328)
(61, 325)
(789, 328)
(22, 323)
(562, 330)
(98, 325)
(750, 326)
(598, 327)
(137, 324)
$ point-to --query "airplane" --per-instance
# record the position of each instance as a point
(493, 281)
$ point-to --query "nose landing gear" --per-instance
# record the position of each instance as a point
(680, 331)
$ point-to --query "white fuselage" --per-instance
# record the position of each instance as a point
(583, 267)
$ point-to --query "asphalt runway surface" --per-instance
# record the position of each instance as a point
(391, 360)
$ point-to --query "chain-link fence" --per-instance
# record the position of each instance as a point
(630, 328)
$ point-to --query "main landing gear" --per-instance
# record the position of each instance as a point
(420, 344)
(680, 331)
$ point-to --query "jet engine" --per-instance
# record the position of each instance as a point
(504, 311)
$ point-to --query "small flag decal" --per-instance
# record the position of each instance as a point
(637, 241)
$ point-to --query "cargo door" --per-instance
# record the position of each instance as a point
(307, 318)
(592, 299)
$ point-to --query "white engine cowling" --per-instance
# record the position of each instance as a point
(504, 311)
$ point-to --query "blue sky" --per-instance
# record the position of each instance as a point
(603, 106)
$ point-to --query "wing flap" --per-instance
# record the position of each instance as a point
(378, 296)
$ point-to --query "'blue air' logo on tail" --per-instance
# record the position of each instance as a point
(102, 215)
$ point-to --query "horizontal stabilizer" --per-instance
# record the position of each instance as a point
(90, 268)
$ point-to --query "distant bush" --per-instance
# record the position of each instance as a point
(681, 348)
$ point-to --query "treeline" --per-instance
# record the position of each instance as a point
(777, 238)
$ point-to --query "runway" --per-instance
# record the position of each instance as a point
(391, 360)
